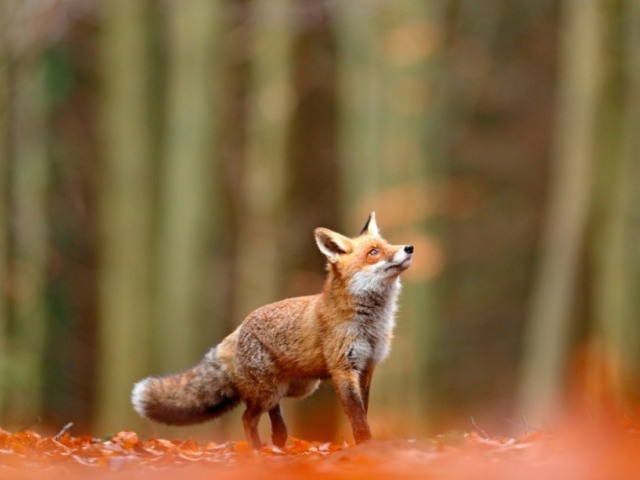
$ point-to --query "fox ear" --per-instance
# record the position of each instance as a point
(332, 244)
(371, 227)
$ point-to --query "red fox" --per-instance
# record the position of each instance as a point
(286, 348)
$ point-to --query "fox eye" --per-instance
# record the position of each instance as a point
(374, 251)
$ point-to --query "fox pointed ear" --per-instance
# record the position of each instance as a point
(371, 227)
(332, 244)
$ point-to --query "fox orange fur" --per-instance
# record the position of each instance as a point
(284, 349)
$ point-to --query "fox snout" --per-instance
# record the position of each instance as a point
(403, 254)
(401, 260)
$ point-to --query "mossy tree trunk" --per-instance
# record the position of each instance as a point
(4, 219)
(548, 333)
(125, 211)
(269, 113)
(187, 214)
(28, 199)
(190, 208)
(616, 263)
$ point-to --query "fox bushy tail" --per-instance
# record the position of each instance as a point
(194, 396)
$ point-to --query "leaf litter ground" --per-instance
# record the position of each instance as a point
(580, 451)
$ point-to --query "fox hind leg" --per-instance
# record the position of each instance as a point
(259, 385)
(250, 420)
(279, 433)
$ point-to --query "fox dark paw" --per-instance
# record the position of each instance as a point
(279, 439)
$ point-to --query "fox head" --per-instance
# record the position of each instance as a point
(367, 262)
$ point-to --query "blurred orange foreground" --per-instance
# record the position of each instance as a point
(583, 450)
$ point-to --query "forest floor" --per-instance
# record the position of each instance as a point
(580, 451)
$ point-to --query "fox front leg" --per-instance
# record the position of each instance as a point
(365, 384)
(347, 386)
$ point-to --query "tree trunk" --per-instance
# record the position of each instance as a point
(260, 246)
(124, 212)
(5, 83)
(630, 197)
(187, 211)
(30, 178)
(615, 278)
(360, 100)
(547, 337)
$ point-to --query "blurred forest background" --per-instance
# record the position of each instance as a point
(163, 165)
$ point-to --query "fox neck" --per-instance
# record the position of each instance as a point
(352, 297)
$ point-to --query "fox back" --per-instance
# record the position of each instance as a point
(285, 348)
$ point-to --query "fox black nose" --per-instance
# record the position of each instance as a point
(408, 248)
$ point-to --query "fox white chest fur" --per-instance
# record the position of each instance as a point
(373, 323)
(284, 349)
